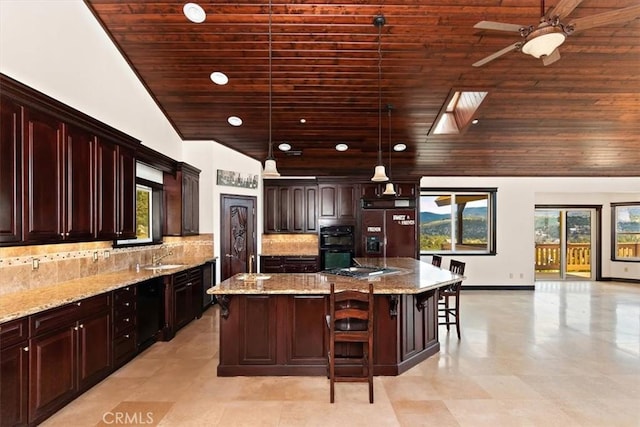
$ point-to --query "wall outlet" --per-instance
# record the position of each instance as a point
(510, 275)
(35, 263)
(522, 275)
(107, 254)
(95, 256)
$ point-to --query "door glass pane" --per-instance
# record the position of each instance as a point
(578, 238)
(547, 237)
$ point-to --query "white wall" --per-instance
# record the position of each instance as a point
(516, 202)
(58, 48)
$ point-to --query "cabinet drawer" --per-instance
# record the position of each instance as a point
(124, 347)
(67, 314)
(14, 332)
(124, 295)
(122, 323)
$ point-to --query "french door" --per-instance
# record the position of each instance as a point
(565, 242)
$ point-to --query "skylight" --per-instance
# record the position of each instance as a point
(458, 112)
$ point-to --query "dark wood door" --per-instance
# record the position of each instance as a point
(79, 189)
(94, 349)
(43, 177)
(14, 387)
(10, 171)
(237, 234)
(52, 373)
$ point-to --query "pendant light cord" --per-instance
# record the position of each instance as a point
(380, 23)
(389, 108)
(270, 155)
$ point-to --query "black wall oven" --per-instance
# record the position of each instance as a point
(336, 246)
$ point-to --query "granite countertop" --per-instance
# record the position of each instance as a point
(413, 277)
(24, 303)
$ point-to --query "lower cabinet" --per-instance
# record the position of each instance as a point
(14, 373)
(69, 351)
(183, 299)
(124, 325)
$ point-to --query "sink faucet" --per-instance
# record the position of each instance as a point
(251, 258)
(155, 259)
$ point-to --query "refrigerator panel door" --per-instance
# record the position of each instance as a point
(401, 232)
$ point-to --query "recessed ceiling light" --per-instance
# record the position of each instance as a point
(475, 121)
(284, 146)
(194, 13)
(400, 147)
(342, 147)
(219, 78)
(303, 121)
(234, 121)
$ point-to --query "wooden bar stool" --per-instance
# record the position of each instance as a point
(448, 312)
(436, 260)
(350, 321)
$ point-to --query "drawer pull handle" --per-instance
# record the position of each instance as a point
(126, 304)
(126, 319)
(79, 303)
(75, 328)
(81, 326)
(127, 336)
(25, 348)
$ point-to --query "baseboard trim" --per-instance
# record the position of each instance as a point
(618, 279)
(499, 288)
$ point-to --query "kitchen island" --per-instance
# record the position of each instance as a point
(275, 324)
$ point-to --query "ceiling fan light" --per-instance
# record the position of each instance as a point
(544, 41)
(270, 169)
(379, 174)
(389, 190)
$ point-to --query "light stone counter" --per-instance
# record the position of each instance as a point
(24, 303)
(413, 277)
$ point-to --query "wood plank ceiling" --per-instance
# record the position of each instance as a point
(579, 116)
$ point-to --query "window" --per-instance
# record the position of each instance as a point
(626, 231)
(457, 221)
(148, 207)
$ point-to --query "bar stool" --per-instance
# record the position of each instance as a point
(350, 321)
(448, 313)
(436, 260)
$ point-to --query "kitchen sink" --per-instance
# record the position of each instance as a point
(162, 267)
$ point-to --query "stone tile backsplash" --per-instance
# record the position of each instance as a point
(68, 261)
(289, 244)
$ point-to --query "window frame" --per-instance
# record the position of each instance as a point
(492, 196)
(614, 231)
(156, 215)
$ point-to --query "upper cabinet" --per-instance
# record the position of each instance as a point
(338, 202)
(182, 201)
(64, 176)
(290, 207)
(374, 190)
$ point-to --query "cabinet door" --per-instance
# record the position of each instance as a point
(337, 201)
(311, 208)
(80, 178)
(107, 190)
(305, 316)
(271, 209)
(284, 206)
(190, 204)
(43, 177)
(298, 211)
(10, 182)
(52, 361)
(126, 195)
(14, 387)
(182, 305)
(347, 202)
(327, 197)
(94, 349)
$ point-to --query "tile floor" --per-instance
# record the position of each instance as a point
(566, 354)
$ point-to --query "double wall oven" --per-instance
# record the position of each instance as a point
(337, 246)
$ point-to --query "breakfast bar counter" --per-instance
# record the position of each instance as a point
(275, 324)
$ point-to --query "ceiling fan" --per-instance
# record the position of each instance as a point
(542, 41)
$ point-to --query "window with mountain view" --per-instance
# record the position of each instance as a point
(626, 230)
(457, 221)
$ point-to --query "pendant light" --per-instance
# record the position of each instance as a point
(379, 174)
(388, 189)
(270, 169)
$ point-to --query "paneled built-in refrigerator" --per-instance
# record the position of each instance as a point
(389, 232)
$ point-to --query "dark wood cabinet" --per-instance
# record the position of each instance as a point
(116, 191)
(124, 325)
(290, 207)
(373, 190)
(63, 175)
(289, 264)
(14, 373)
(184, 299)
(70, 350)
(338, 203)
(10, 171)
(182, 201)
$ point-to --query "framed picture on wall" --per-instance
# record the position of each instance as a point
(237, 179)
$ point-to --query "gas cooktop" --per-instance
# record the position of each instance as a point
(361, 271)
